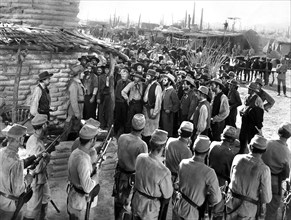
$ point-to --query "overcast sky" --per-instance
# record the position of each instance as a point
(272, 14)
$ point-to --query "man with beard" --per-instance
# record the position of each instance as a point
(202, 115)
(133, 94)
(252, 117)
(188, 97)
(220, 109)
(152, 107)
(40, 98)
(129, 147)
(90, 82)
(234, 101)
(170, 104)
(38, 204)
(121, 106)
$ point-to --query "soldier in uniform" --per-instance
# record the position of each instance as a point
(40, 98)
(38, 204)
(152, 107)
(129, 147)
(178, 149)
(152, 180)
(80, 174)
(170, 104)
(197, 183)
(277, 157)
(250, 182)
(12, 180)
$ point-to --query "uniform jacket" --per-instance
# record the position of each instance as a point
(129, 147)
(76, 98)
(11, 177)
(176, 150)
(80, 169)
(195, 179)
(248, 175)
(154, 179)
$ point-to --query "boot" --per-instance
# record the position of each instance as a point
(284, 90)
(278, 88)
(43, 212)
(28, 218)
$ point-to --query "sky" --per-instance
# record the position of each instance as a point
(273, 14)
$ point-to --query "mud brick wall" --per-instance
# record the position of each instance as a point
(35, 63)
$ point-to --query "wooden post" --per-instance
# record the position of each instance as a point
(16, 84)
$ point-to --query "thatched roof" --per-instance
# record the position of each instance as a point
(53, 40)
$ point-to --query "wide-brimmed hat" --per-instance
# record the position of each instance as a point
(39, 119)
(138, 122)
(286, 126)
(199, 66)
(16, 131)
(186, 126)
(224, 75)
(92, 57)
(75, 70)
(259, 142)
(229, 132)
(217, 81)
(190, 80)
(259, 81)
(204, 77)
(201, 144)
(233, 82)
(84, 58)
(134, 66)
(92, 121)
(138, 74)
(44, 75)
(253, 86)
(170, 77)
(159, 136)
(231, 74)
(151, 72)
(203, 89)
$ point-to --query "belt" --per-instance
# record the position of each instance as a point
(244, 198)
(133, 101)
(189, 200)
(78, 190)
(80, 101)
(147, 196)
(9, 196)
(124, 171)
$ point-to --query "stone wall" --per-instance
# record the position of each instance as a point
(35, 63)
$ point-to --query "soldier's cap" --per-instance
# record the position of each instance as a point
(203, 89)
(93, 122)
(39, 119)
(17, 131)
(75, 70)
(259, 142)
(5, 130)
(88, 132)
(170, 77)
(229, 132)
(138, 122)
(253, 86)
(44, 75)
(159, 136)
(201, 144)
(286, 126)
(259, 81)
(186, 126)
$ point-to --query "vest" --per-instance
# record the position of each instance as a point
(251, 102)
(44, 101)
(216, 104)
(197, 111)
(152, 95)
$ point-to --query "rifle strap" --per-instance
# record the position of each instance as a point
(9, 196)
(189, 200)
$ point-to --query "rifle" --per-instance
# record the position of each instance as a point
(32, 161)
(95, 191)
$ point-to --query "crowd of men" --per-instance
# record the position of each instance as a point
(177, 139)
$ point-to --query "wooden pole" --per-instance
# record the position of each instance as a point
(16, 84)
(201, 21)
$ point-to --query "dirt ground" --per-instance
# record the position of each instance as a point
(104, 210)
